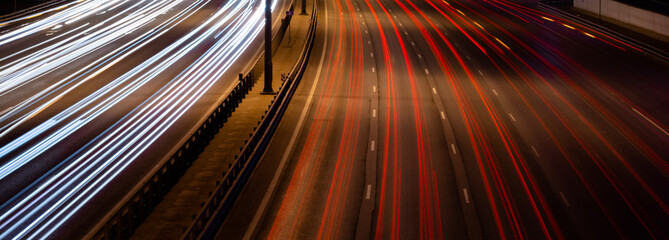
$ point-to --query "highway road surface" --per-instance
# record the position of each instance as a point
(96, 93)
(464, 119)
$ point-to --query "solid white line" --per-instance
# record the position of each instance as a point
(369, 191)
(535, 151)
(464, 190)
(291, 143)
(453, 148)
(4, 111)
(373, 145)
(651, 121)
(512, 118)
(564, 199)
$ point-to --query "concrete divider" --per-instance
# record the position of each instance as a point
(127, 216)
(575, 19)
(642, 18)
(221, 201)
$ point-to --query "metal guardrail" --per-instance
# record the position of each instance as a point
(122, 221)
(558, 2)
(214, 212)
(647, 48)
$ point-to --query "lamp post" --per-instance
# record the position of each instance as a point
(268, 48)
(304, 8)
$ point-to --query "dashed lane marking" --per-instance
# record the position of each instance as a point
(564, 199)
(464, 190)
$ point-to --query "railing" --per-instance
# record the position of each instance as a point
(214, 212)
(122, 221)
(547, 6)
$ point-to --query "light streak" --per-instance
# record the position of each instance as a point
(41, 212)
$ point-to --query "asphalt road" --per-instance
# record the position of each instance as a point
(464, 119)
(96, 93)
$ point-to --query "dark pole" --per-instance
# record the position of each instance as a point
(600, 10)
(268, 48)
(304, 8)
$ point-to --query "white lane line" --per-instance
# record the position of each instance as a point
(300, 123)
(360, 15)
(413, 44)
(369, 191)
(366, 32)
(373, 146)
(512, 118)
(373, 112)
(443, 115)
(426, 71)
(374, 88)
(395, 16)
(6, 110)
(434, 90)
(535, 151)
(564, 199)
(373, 69)
(495, 92)
(406, 33)
(371, 54)
(468, 58)
(651, 121)
(369, 42)
(420, 56)
(464, 190)
(400, 24)
(480, 72)
(453, 148)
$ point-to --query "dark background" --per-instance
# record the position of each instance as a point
(7, 6)
(658, 6)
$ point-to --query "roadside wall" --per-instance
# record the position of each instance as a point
(631, 15)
